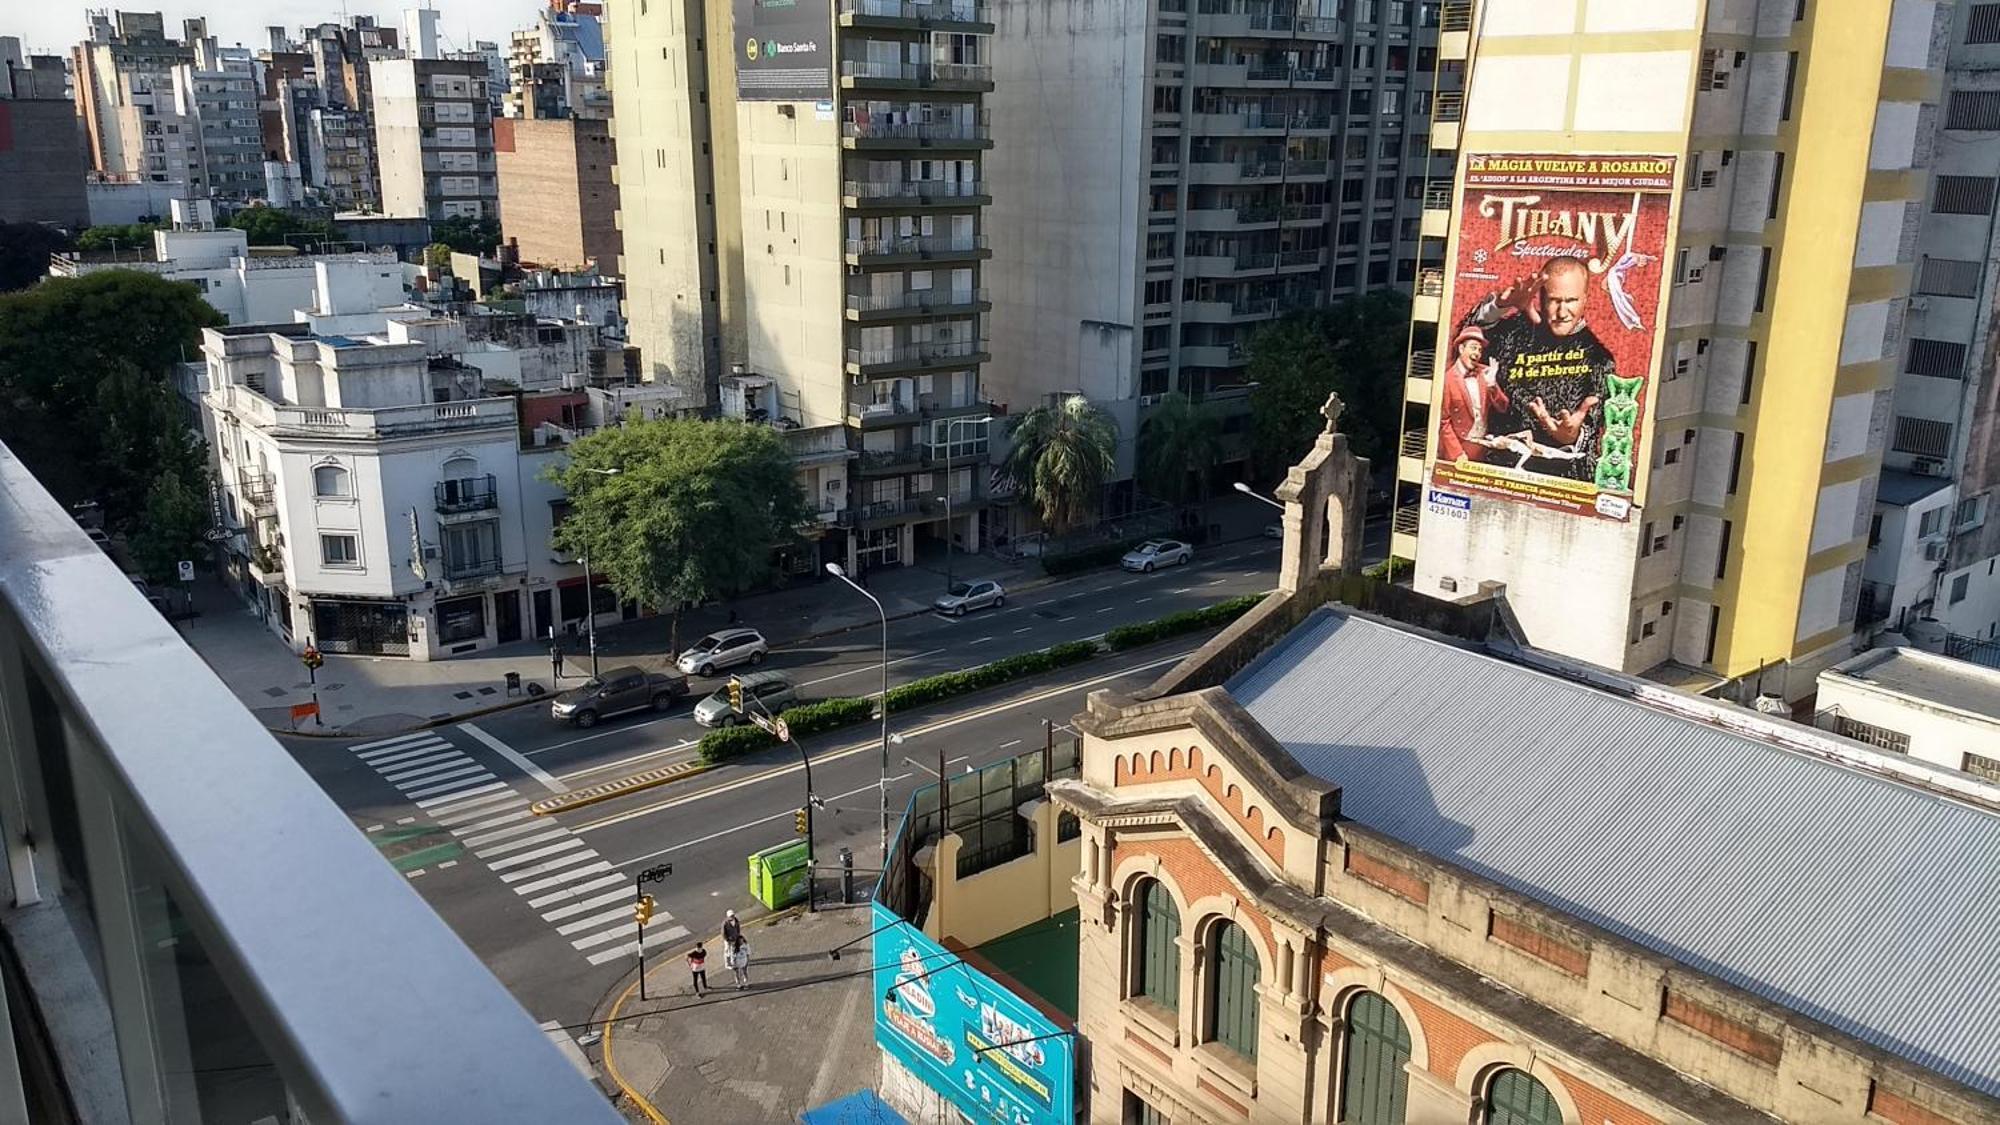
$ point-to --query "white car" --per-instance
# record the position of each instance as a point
(1155, 553)
(965, 596)
(725, 649)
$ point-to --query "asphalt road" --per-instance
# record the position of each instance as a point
(546, 901)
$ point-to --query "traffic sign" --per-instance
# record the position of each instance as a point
(763, 723)
(186, 569)
(783, 730)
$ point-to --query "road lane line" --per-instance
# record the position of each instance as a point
(1141, 601)
(571, 892)
(762, 820)
(453, 799)
(516, 757)
(876, 667)
(1060, 620)
(874, 747)
(981, 640)
(1028, 629)
(544, 884)
(624, 729)
(1015, 742)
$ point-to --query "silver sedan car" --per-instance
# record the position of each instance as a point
(1155, 553)
(965, 596)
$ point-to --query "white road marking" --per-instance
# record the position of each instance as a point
(575, 908)
(455, 810)
(1106, 609)
(411, 757)
(1215, 581)
(1182, 590)
(612, 765)
(674, 934)
(1028, 629)
(455, 785)
(494, 822)
(486, 838)
(543, 853)
(580, 888)
(1015, 742)
(755, 823)
(381, 744)
(461, 820)
(550, 881)
(600, 938)
(1141, 601)
(554, 832)
(1060, 620)
(447, 863)
(981, 640)
(375, 828)
(406, 820)
(465, 795)
(413, 874)
(622, 729)
(516, 757)
(877, 667)
(431, 775)
(603, 918)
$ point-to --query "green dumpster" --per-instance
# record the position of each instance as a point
(778, 874)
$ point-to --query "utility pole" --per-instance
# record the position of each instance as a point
(642, 912)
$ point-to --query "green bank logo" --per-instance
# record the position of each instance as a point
(750, 48)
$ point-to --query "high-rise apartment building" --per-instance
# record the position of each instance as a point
(1169, 177)
(124, 88)
(675, 130)
(340, 158)
(556, 68)
(1933, 545)
(1649, 390)
(434, 138)
(341, 54)
(220, 97)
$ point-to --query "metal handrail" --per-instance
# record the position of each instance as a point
(338, 992)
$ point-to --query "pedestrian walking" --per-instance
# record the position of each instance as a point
(733, 617)
(698, 968)
(732, 929)
(738, 960)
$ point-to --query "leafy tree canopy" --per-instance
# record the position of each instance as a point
(468, 236)
(1063, 456)
(24, 253)
(1357, 348)
(176, 515)
(117, 236)
(86, 399)
(275, 226)
(1179, 443)
(692, 513)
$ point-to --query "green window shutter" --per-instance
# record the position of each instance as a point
(1160, 953)
(1516, 1098)
(1374, 1086)
(1235, 1010)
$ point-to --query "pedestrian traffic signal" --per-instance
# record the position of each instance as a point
(735, 695)
(642, 910)
(799, 821)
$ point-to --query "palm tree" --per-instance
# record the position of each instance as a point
(1179, 443)
(1062, 458)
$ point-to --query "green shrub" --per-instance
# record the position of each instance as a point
(725, 743)
(827, 714)
(1389, 569)
(1174, 624)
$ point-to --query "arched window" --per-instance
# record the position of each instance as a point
(1514, 1097)
(458, 468)
(1232, 982)
(331, 481)
(1374, 1087)
(1156, 970)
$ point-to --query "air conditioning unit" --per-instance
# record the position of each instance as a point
(1935, 551)
(1928, 467)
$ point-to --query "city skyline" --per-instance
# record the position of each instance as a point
(55, 28)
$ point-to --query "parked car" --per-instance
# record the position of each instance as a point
(763, 693)
(616, 692)
(965, 596)
(725, 649)
(1155, 553)
(1274, 531)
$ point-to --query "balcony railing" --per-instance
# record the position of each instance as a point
(947, 11)
(1456, 16)
(165, 937)
(912, 189)
(1405, 520)
(366, 423)
(1412, 444)
(1271, 212)
(1437, 195)
(933, 351)
(258, 489)
(889, 509)
(467, 494)
(932, 245)
(1430, 282)
(923, 74)
(877, 460)
(916, 301)
(1448, 105)
(472, 566)
(928, 131)
(1423, 363)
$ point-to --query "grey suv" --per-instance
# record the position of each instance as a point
(725, 649)
(764, 693)
(614, 693)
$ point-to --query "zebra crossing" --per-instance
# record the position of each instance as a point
(563, 879)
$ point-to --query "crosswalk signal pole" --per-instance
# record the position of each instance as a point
(642, 912)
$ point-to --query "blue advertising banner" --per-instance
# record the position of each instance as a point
(938, 1026)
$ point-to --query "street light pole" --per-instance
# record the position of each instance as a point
(835, 570)
(950, 533)
(1256, 495)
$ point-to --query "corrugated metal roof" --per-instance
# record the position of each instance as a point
(1869, 905)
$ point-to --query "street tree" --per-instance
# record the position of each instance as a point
(24, 253)
(1063, 456)
(275, 226)
(176, 515)
(468, 236)
(675, 513)
(1179, 443)
(117, 236)
(86, 399)
(1355, 348)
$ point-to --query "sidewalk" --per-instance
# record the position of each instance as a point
(802, 1035)
(386, 695)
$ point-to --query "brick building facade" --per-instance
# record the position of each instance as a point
(557, 197)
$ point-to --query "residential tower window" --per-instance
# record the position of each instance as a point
(1516, 1098)
(1374, 1087)
(1232, 983)
(1156, 969)
(331, 482)
(339, 550)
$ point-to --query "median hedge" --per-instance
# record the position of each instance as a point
(1174, 624)
(842, 711)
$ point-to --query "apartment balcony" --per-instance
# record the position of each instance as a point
(876, 513)
(197, 978)
(930, 355)
(883, 415)
(868, 195)
(1455, 29)
(917, 15)
(1287, 75)
(934, 407)
(1429, 296)
(473, 572)
(889, 462)
(1436, 221)
(911, 249)
(872, 308)
(869, 74)
(1257, 123)
(1447, 112)
(962, 501)
(1256, 24)
(833, 514)
(951, 455)
(908, 135)
(1213, 355)
(267, 565)
(466, 498)
(1418, 384)
(259, 493)
(255, 410)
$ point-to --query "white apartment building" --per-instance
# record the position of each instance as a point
(219, 95)
(434, 138)
(124, 89)
(340, 157)
(1914, 702)
(384, 498)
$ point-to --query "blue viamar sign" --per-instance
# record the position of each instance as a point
(940, 1025)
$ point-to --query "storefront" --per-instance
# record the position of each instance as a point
(361, 626)
(461, 623)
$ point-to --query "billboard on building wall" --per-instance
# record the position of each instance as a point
(1547, 356)
(989, 1052)
(784, 50)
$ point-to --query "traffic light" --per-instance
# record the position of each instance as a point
(642, 910)
(799, 821)
(735, 695)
